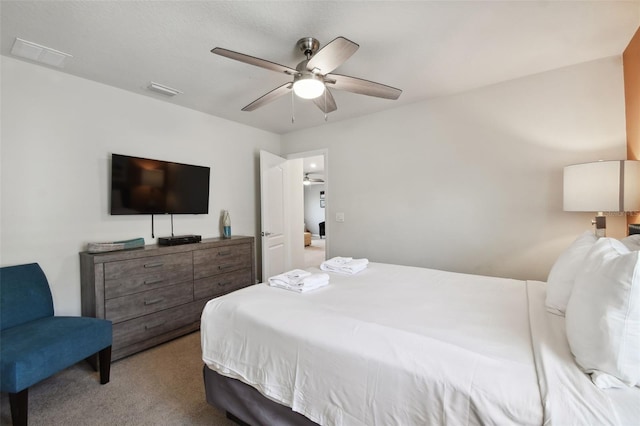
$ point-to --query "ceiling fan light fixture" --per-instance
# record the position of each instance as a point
(308, 86)
(311, 76)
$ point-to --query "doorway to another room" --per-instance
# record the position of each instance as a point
(314, 211)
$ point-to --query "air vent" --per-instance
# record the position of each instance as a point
(165, 90)
(35, 52)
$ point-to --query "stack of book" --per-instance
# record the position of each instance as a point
(115, 245)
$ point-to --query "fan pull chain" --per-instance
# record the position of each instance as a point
(293, 117)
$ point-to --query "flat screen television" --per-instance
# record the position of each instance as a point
(146, 186)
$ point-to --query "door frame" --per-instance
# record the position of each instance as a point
(325, 153)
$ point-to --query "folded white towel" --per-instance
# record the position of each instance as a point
(344, 265)
(315, 280)
(339, 261)
(292, 277)
(302, 284)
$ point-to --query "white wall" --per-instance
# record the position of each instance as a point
(467, 183)
(58, 132)
(313, 213)
(472, 182)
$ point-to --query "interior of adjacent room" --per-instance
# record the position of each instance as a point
(314, 210)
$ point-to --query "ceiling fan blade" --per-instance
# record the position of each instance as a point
(326, 102)
(269, 97)
(311, 180)
(251, 60)
(361, 86)
(332, 55)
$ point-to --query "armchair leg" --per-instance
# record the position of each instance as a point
(105, 364)
(19, 403)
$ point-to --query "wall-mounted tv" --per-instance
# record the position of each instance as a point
(146, 186)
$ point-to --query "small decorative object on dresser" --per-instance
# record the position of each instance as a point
(157, 293)
(226, 225)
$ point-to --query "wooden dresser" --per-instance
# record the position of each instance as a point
(156, 293)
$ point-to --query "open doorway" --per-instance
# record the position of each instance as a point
(314, 183)
(282, 211)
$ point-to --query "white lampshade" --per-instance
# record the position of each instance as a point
(603, 186)
(308, 86)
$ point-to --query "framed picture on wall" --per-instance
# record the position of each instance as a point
(322, 199)
(322, 204)
(322, 195)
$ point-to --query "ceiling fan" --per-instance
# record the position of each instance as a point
(312, 77)
(309, 180)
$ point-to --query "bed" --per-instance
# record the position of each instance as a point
(400, 345)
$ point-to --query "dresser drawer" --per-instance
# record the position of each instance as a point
(149, 326)
(221, 259)
(132, 306)
(137, 275)
(210, 287)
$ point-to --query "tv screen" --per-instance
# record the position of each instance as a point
(146, 186)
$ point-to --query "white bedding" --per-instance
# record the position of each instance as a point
(570, 398)
(403, 345)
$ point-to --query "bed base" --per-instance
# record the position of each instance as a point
(245, 405)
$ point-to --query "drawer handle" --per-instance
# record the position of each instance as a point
(224, 253)
(226, 266)
(158, 324)
(156, 281)
(153, 265)
(154, 301)
(225, 283)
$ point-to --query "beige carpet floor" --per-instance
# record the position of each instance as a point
(160, 386)
(314, 254)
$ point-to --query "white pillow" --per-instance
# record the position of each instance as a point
(632, 242)
(603, 315)
(564, 272)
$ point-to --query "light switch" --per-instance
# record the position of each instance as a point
(339, 217)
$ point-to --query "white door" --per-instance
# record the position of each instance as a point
(273, 178)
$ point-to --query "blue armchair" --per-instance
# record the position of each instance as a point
(35, 344)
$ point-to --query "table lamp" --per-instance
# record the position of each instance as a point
(602, 187)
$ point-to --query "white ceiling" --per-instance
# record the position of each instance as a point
(314, 166)
(425, 48)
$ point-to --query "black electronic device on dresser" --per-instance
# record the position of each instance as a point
(179, 239)
(634, 228)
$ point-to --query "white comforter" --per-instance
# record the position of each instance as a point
(396, 345)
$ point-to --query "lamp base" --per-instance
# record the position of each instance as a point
(601, 225)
